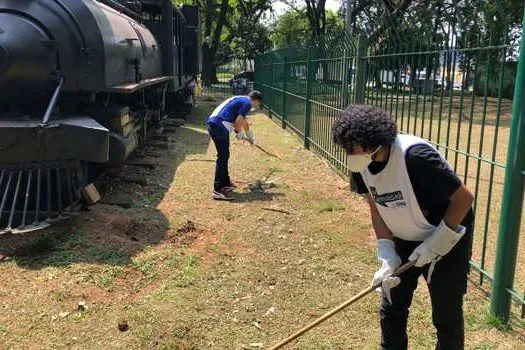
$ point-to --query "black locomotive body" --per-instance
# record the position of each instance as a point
(82, 82)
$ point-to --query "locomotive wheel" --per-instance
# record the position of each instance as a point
(35, 194)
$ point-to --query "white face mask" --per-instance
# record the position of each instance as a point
(359, 162)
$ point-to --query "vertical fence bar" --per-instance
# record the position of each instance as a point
(285, 80)
(270, 90)
(360, 80)
(360, 74)
(310, 76)
(344, 92)
(512, 203)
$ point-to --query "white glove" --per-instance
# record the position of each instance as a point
(436, 246)
(240, 136)
(250, 136)
(387, 255)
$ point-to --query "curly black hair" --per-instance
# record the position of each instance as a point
(366, 126)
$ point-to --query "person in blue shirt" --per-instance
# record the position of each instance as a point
(228, 117)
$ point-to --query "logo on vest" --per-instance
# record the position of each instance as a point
(393, 197)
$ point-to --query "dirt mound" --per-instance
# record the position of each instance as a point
(186, 234)
(112, 224)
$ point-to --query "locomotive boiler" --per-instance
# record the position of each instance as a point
(82, 83)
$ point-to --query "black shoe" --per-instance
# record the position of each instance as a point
(223, 194)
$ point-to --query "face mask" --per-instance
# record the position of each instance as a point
(359, 162)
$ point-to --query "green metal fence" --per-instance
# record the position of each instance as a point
(455, 89)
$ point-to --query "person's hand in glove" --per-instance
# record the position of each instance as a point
(387, 255)
(439, 244)
(250, 137)
(240, 135)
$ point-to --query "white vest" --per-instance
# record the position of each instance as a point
(229, 126)
(394, 196)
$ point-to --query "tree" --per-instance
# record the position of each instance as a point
(293, 27)
(213, 13)
(247, 37)
(315, 14)
(250, 40)
(315, 11)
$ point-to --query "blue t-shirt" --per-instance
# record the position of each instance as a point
(230, 109)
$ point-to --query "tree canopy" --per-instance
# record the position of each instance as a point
(293, 27)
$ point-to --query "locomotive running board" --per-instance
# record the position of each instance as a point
(134, 87)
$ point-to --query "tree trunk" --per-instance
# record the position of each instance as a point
(209, 49)
(207, 76)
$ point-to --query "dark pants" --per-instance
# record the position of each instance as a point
(221, 139)
(447, 288)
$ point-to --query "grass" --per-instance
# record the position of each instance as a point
(330, 206)
(207, 291)
(469, 144)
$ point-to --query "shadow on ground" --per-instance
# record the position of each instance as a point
(239, 198)
(111, 234)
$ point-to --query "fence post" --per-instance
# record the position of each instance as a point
(360, 75)
(344, 100)
(285, 78)
(512, 203)
(310, 76)
(360, 81)
(270, 90)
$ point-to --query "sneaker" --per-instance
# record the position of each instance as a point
(230, 187)
(223, 194)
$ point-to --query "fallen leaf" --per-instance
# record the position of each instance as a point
(241, 299)
(270, 311)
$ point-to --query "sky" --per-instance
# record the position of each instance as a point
(279, 7)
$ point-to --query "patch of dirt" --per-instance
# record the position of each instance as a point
(109, 224)
(186, 234)
(187, 227)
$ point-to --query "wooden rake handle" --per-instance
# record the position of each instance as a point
(335, 310)
(268, 153)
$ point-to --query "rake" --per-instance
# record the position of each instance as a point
(268, 153)
(337, 309)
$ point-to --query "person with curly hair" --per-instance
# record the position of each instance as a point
(421, 212)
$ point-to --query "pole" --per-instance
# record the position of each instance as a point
(310, 77)
(360, 74)
(270, 90)
(346, 69)
(512, 202)
(285, 80)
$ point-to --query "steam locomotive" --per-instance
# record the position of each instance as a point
(82, 82)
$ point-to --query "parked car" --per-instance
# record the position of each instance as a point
(250, 76)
